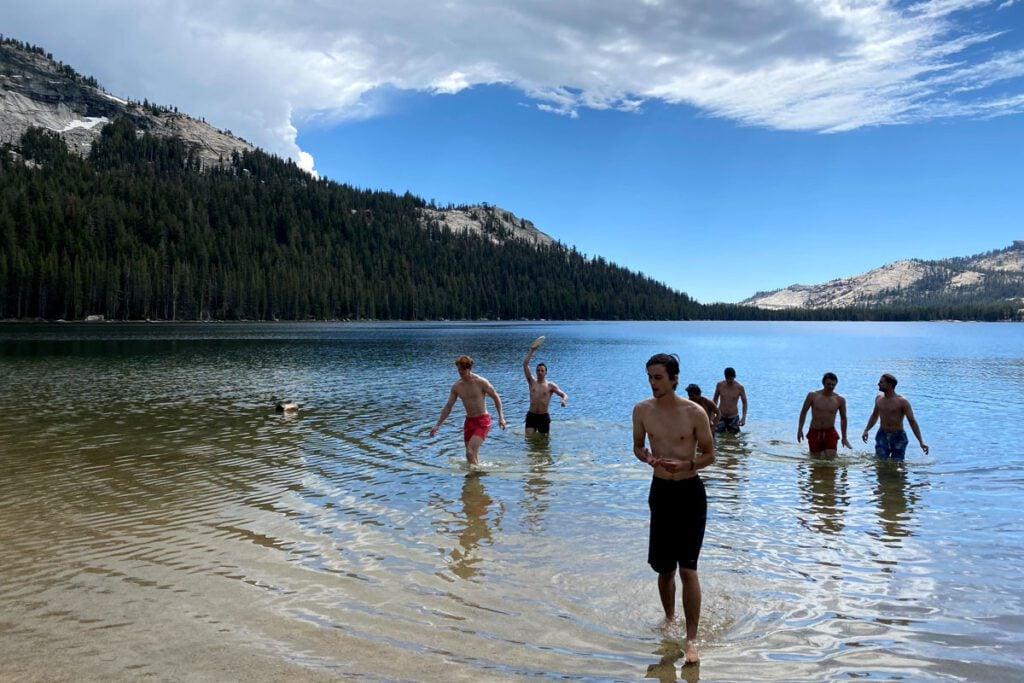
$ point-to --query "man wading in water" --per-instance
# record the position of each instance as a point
(473, 390)
(678, 503)
(538, 420)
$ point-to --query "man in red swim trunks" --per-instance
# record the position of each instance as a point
(473, 390)
(822, 439)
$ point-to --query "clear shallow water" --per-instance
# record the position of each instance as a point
(161, 520)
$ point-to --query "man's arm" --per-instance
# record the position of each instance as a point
(526, 366)
(706, 441)
(445, 412)
(909, 412)
(842, 421)
(489, 390)
(871, 421)
(803, 416)
(717, 397)
(558, 392)
(715, 414)
(640, 438)
(743, 398)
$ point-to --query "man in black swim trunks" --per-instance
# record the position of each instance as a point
(538, 420)
(678, 503)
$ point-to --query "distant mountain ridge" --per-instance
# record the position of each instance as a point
(991, 277)
(37, 91)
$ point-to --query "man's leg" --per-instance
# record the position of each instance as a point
(667, 592)
(691, 611)
(473, 449)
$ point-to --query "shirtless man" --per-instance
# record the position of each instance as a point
(891, 441)
(693, 393)
(473, 390)
(822, 438)
(728, 393)
(678, 502)
(541, 390)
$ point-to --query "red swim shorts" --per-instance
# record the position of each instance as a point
(822, 439)
(476, 426)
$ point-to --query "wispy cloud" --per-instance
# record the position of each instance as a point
(256, 66)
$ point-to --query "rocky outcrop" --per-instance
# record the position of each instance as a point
(491, 221)
(37, 91)
(990, 277)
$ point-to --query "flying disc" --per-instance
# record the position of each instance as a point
(537, 342)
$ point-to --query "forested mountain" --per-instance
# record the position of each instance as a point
(37, 91)
(134, 211)
(135, 230)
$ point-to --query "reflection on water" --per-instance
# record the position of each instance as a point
(895, 498)
(476, 524)
(826, 495)
(155, 504)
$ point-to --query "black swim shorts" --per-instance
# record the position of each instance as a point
(679, 513)
(539, 421)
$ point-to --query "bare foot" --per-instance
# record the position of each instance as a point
(692, 653)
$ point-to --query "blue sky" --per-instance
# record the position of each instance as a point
(720, 146)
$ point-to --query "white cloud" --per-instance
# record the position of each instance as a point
(252, 66)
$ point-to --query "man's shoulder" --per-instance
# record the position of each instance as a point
(644, 404)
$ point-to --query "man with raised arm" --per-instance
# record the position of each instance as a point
(538, 419)
(728, 393)
(891, 440)
(822, 438)
(674, 428)
(472, 389)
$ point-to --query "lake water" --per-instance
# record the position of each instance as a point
(161, 521)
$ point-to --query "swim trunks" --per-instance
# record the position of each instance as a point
(539, 421)
(476, 426)
(891, 444)
(822, 439)
(730, 423)
(679, 513)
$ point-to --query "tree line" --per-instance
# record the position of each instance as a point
(136, 230)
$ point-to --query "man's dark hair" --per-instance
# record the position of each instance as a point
(542, 365)
(831, 376)
(890, 379)
(730, 373)
(671, 363)
(693, 389)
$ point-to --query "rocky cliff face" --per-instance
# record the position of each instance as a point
(37, 91)
(493, 222)
(990, 277)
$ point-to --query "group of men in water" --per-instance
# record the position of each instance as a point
(675, 437)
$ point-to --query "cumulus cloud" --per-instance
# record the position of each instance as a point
(257, 67)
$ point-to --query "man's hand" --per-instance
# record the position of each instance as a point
(846, 442)
(433, 431)
(799, 435)
(865, 436)
(673, 466)
(501, 422)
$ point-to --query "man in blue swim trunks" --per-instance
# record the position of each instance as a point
(891, 441)
(728, 394)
